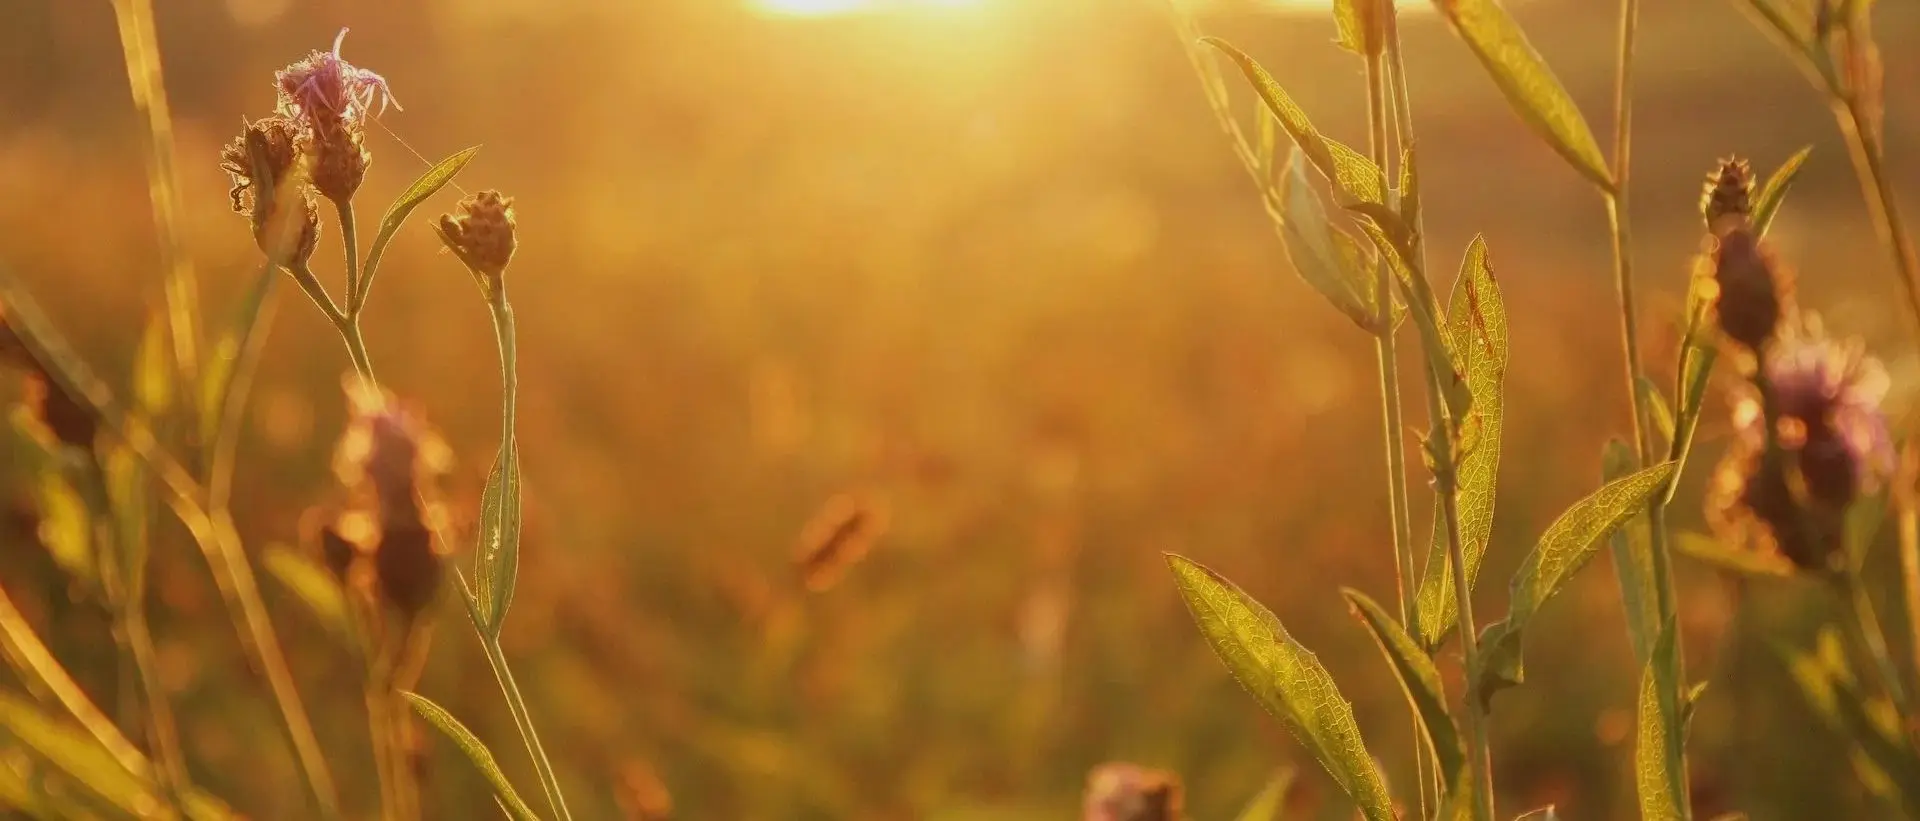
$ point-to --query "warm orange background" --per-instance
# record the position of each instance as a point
(993, 263)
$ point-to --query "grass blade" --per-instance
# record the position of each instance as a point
(1530, 87)
(1477, 329)
(313, 585)
(224, 363)
(1419, 679)
(90, 765)
(1766, 204)
(426, 186)
(1658, 754)
(1708, 550)
(1566, 546)
(1286, 678)
(476, 752)
(1266, 804)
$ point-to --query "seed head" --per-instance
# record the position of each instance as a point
(1727, 201)
(1833, 440)
(260, 163)
(387, 452)
(1755, 288)
(1121, 791)
(482, 234)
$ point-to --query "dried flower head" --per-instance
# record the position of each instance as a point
(387, 451)
(408, 567)
(482, 235)
(1120, 791)
(1727, 202)
(836, 538)
(1755, 288)
(261, 163)
(1833, 442)
(330, 99)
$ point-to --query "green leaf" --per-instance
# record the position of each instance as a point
(1477, 329)
(1766, 204)
(313, 585)
(1359, 25)
(1387, 233)
(426, 186)
(1708, 550)
(476, 752)
(1564, 548)
(1530, 87)
(1658, 755)
(1419, 679)
(1884, 762)
(1286, 678)
(1633, 561)
(1409, 186)
(1351, 173)
(73, 752)
(1697, 357)
(1265, 806)
(1312, 243)
(497, 558)
(217, 380)
(66, 526)
(1657, 408)
(1786, 28)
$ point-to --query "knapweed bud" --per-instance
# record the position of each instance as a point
(1754, 287)
(1129, 792)
(259, 163)
(1727, 202)
(408, 567)
(1833, 443)
(387, 452)
(330, 98)
(482, 234)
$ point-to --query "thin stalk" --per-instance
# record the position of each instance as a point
(357, 351)
(1910, 569)
(233, 403)
(1864, 626)
(517, 707)
(1479, 749)
(1388, 359)
(1869, 164)
(140, 47)
(35, 664)
(350, 246)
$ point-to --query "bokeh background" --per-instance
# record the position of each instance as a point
(990, 264)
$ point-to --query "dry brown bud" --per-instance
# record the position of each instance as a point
(1754, 288)
(1727, 202)
(482, 234)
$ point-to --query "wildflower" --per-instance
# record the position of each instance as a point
(1755, 288)
(1727, 202)
(836, 538)
(482, 236)
(260, 163)
(1120, 791)
(387, 455)
(330, 99)
(1833, 443)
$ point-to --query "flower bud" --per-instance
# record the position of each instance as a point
(1128, 792)
(407, 567)
(1753, 287)
(482, 235)
(261, 163)
(1727, 202)
(330, 99)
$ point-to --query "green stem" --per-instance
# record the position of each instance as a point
(517, 707)
(350, 246)
(357, 351)
(1872, 640)
(232, 405)
(1909, 526)
(36, 665)
(1479, 751)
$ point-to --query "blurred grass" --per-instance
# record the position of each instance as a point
(995, 266)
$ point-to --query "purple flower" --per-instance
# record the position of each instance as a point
(325, 85)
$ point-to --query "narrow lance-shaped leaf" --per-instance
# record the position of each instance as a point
(72, 752)
(1265, 805)
(251, 318)
(1566, 546)
(1697, 357)
(1658, 757)
(313, 585)
(1632, 550)
(1286, 678)
(1343, 279)
(1710, 551)
(497, 559)
(430, 183)
(153, 369)
(1882, 759)
(1352, 174)
(1419, 679)
(1360, 26)
(1389, 237)
(1477, 329)
(1530, 87)
(477, 753)
(1658, 408)
(1766, 204)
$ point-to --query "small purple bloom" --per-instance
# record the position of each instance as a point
(1828, 393)
(325, 85)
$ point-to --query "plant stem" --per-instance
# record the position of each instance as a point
(1909, 526)
(357, 351)
(1863, 144)
(35, 665)
(350, 246)
(1387, 355)
(517, 706)
(1872, 640)
(1479, 751)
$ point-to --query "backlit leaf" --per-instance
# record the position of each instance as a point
(1566, 546)
(1530, 87)
(1632, 549)
(1477, 331)
(1419, 679)
(1659, 768)
(1766, 203)
(1265, 805)
(313, 585)
(1708, 550)
(430, 183)
(477, 753)
(1359, 25)
(1351, 173)
(497, 557)
(1286, 678)
(1345, 281)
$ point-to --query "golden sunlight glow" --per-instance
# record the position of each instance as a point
(826, 8)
